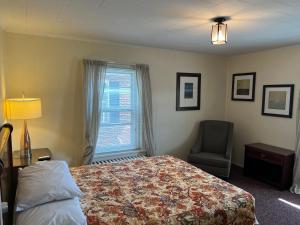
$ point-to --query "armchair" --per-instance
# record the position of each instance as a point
(213, 148)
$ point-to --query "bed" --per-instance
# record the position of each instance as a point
(160, 190)
(154, 190)
(7, 181)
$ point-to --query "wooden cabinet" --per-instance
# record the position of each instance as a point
(270, 164)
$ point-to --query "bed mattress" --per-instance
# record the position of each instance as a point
(160, 190)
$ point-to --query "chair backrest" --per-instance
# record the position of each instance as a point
(215, 135)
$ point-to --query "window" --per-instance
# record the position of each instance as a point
(119, 127)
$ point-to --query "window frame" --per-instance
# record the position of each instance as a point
(135, 124)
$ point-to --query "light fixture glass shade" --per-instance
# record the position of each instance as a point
(219, 34)
(23, 108)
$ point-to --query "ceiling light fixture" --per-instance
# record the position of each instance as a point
(219, 31)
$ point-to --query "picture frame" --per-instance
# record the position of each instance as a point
(278, 100)
(243, 86)
(188, 89)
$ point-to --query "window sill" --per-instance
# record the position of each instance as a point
(115, 155)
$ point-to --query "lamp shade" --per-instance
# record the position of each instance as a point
(219, 34)
(23, 108)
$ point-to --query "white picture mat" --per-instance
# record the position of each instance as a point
(244, 77)
(277, 111)
(188, 102)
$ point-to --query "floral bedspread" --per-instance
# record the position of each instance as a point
(160, 190)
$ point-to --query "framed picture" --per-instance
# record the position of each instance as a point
(188, 91)
(243, 86)
(278, 100)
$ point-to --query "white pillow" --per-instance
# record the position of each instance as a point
(65, 212)
(43, 182)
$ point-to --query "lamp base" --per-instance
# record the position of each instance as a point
(25, 145)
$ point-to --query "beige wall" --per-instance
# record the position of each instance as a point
(50, 68)
(278, 66)
(2, 80)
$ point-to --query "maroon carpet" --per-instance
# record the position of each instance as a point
(269, 209)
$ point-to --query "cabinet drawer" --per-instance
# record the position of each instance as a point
(264, 156)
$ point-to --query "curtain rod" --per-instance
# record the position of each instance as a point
(121, 64)
(117, 63)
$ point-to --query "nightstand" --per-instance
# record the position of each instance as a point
(36, 153)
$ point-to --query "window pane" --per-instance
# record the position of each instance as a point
(119, 121)
(116, 138)
(120, 117)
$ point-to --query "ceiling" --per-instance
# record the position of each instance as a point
(173, 24)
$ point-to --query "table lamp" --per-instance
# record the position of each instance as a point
(23, 109)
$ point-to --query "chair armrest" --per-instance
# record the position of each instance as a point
(229, 145)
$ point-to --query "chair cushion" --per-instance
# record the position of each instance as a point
(209, 159)
(215, 137)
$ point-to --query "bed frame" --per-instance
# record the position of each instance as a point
(7, 178)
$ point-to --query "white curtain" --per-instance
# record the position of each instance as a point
(296, 179)
(93, 81)
(145, 96)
